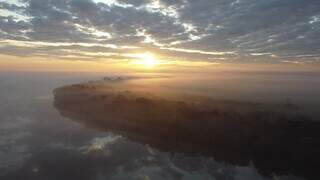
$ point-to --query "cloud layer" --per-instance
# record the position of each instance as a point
(207, 30)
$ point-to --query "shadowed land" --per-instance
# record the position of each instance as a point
(277, 139)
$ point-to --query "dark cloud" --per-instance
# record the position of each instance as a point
(283, 29)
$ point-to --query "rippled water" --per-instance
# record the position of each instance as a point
(36, 142)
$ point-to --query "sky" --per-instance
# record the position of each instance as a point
(149, 32)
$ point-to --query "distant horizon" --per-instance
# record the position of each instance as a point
(12, 63)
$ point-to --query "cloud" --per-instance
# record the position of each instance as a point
(282, 29)
(100, 144)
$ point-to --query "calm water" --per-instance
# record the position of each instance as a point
(36, 142)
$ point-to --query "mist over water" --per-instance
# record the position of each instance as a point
(300, 88)
(36, 142)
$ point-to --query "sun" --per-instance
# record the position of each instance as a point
(149, 60)
(146, 60)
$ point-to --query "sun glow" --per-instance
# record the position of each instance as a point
(147, 60)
